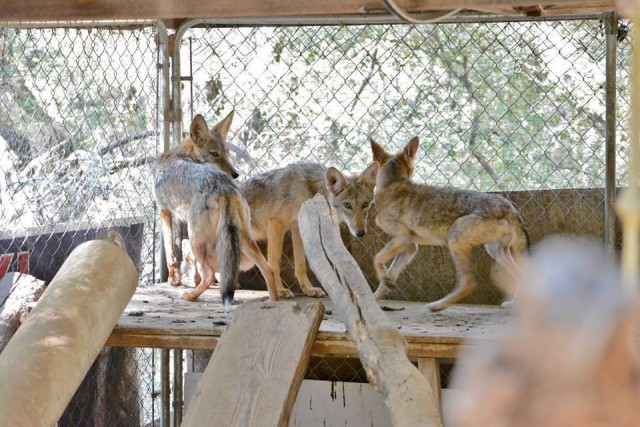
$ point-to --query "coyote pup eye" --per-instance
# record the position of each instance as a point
(347, 205)
(215, 154)
(364, 205)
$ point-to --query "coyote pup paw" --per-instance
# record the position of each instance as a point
(190, 295)
(314, 292)
(381, 293)
(434, 307)
(285, 293)
(383, 290)
(174, 275)
(507, 304)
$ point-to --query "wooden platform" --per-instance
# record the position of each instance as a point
(158, 317)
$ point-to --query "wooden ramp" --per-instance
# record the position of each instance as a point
(257, 367)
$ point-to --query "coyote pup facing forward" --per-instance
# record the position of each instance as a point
(275, 198)
(194, 184)
(418, 214)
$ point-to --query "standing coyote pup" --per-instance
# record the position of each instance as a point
(419, 214)
(194, 184)
(275, 198)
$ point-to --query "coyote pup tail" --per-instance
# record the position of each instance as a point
(229, 251)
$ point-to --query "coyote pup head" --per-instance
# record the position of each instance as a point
(209, 146)
(351, 196)
(398, 165)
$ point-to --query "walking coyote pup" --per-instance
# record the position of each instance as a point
(194, 184)
(419, 214)
(275, 198)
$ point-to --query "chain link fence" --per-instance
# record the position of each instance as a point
(512, 107)
(78, 124)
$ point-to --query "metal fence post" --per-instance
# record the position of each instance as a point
(163, 108)
(611, 25)
(177, 387)
(165, 389)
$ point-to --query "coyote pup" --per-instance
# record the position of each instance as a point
(419, 214)
(194, 184)
(275, 198)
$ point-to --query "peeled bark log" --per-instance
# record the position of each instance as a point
(23, 290)
(381, 348)
(46, 360)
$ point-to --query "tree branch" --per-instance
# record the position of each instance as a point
(126, 140)
(374, 62)
(128, 163)
(475, 121)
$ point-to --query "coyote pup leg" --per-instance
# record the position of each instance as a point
(166, 224)
(207, 274)
(252, 251)
(462, 238)
(404, 249)
(275, 239)
(301, 266)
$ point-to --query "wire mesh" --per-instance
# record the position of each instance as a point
(78, 123)
(78, 120)
(514, 107)
(122, 388)
(623, 112)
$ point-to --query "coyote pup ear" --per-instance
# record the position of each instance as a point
(369, 175)
(379, 155)
(411, 148)
(336, 182)
(222, 128)
(199, 130)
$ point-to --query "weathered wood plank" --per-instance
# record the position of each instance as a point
(257, 367)
(158, 317)
(32, 10)
(430, 368)
(23, 290)
(381, 347)
(159, 309)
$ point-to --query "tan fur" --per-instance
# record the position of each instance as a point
(275, 198)
(193, 184)
(418, 214)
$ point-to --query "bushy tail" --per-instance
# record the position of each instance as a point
(228, 251)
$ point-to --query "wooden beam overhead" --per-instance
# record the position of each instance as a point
(72, 10)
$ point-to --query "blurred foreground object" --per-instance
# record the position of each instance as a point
(570, 358)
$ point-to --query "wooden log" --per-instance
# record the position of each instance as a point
(257, 367)
(381, 347)
(23, 290)
(46, 360)
(31, 10)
